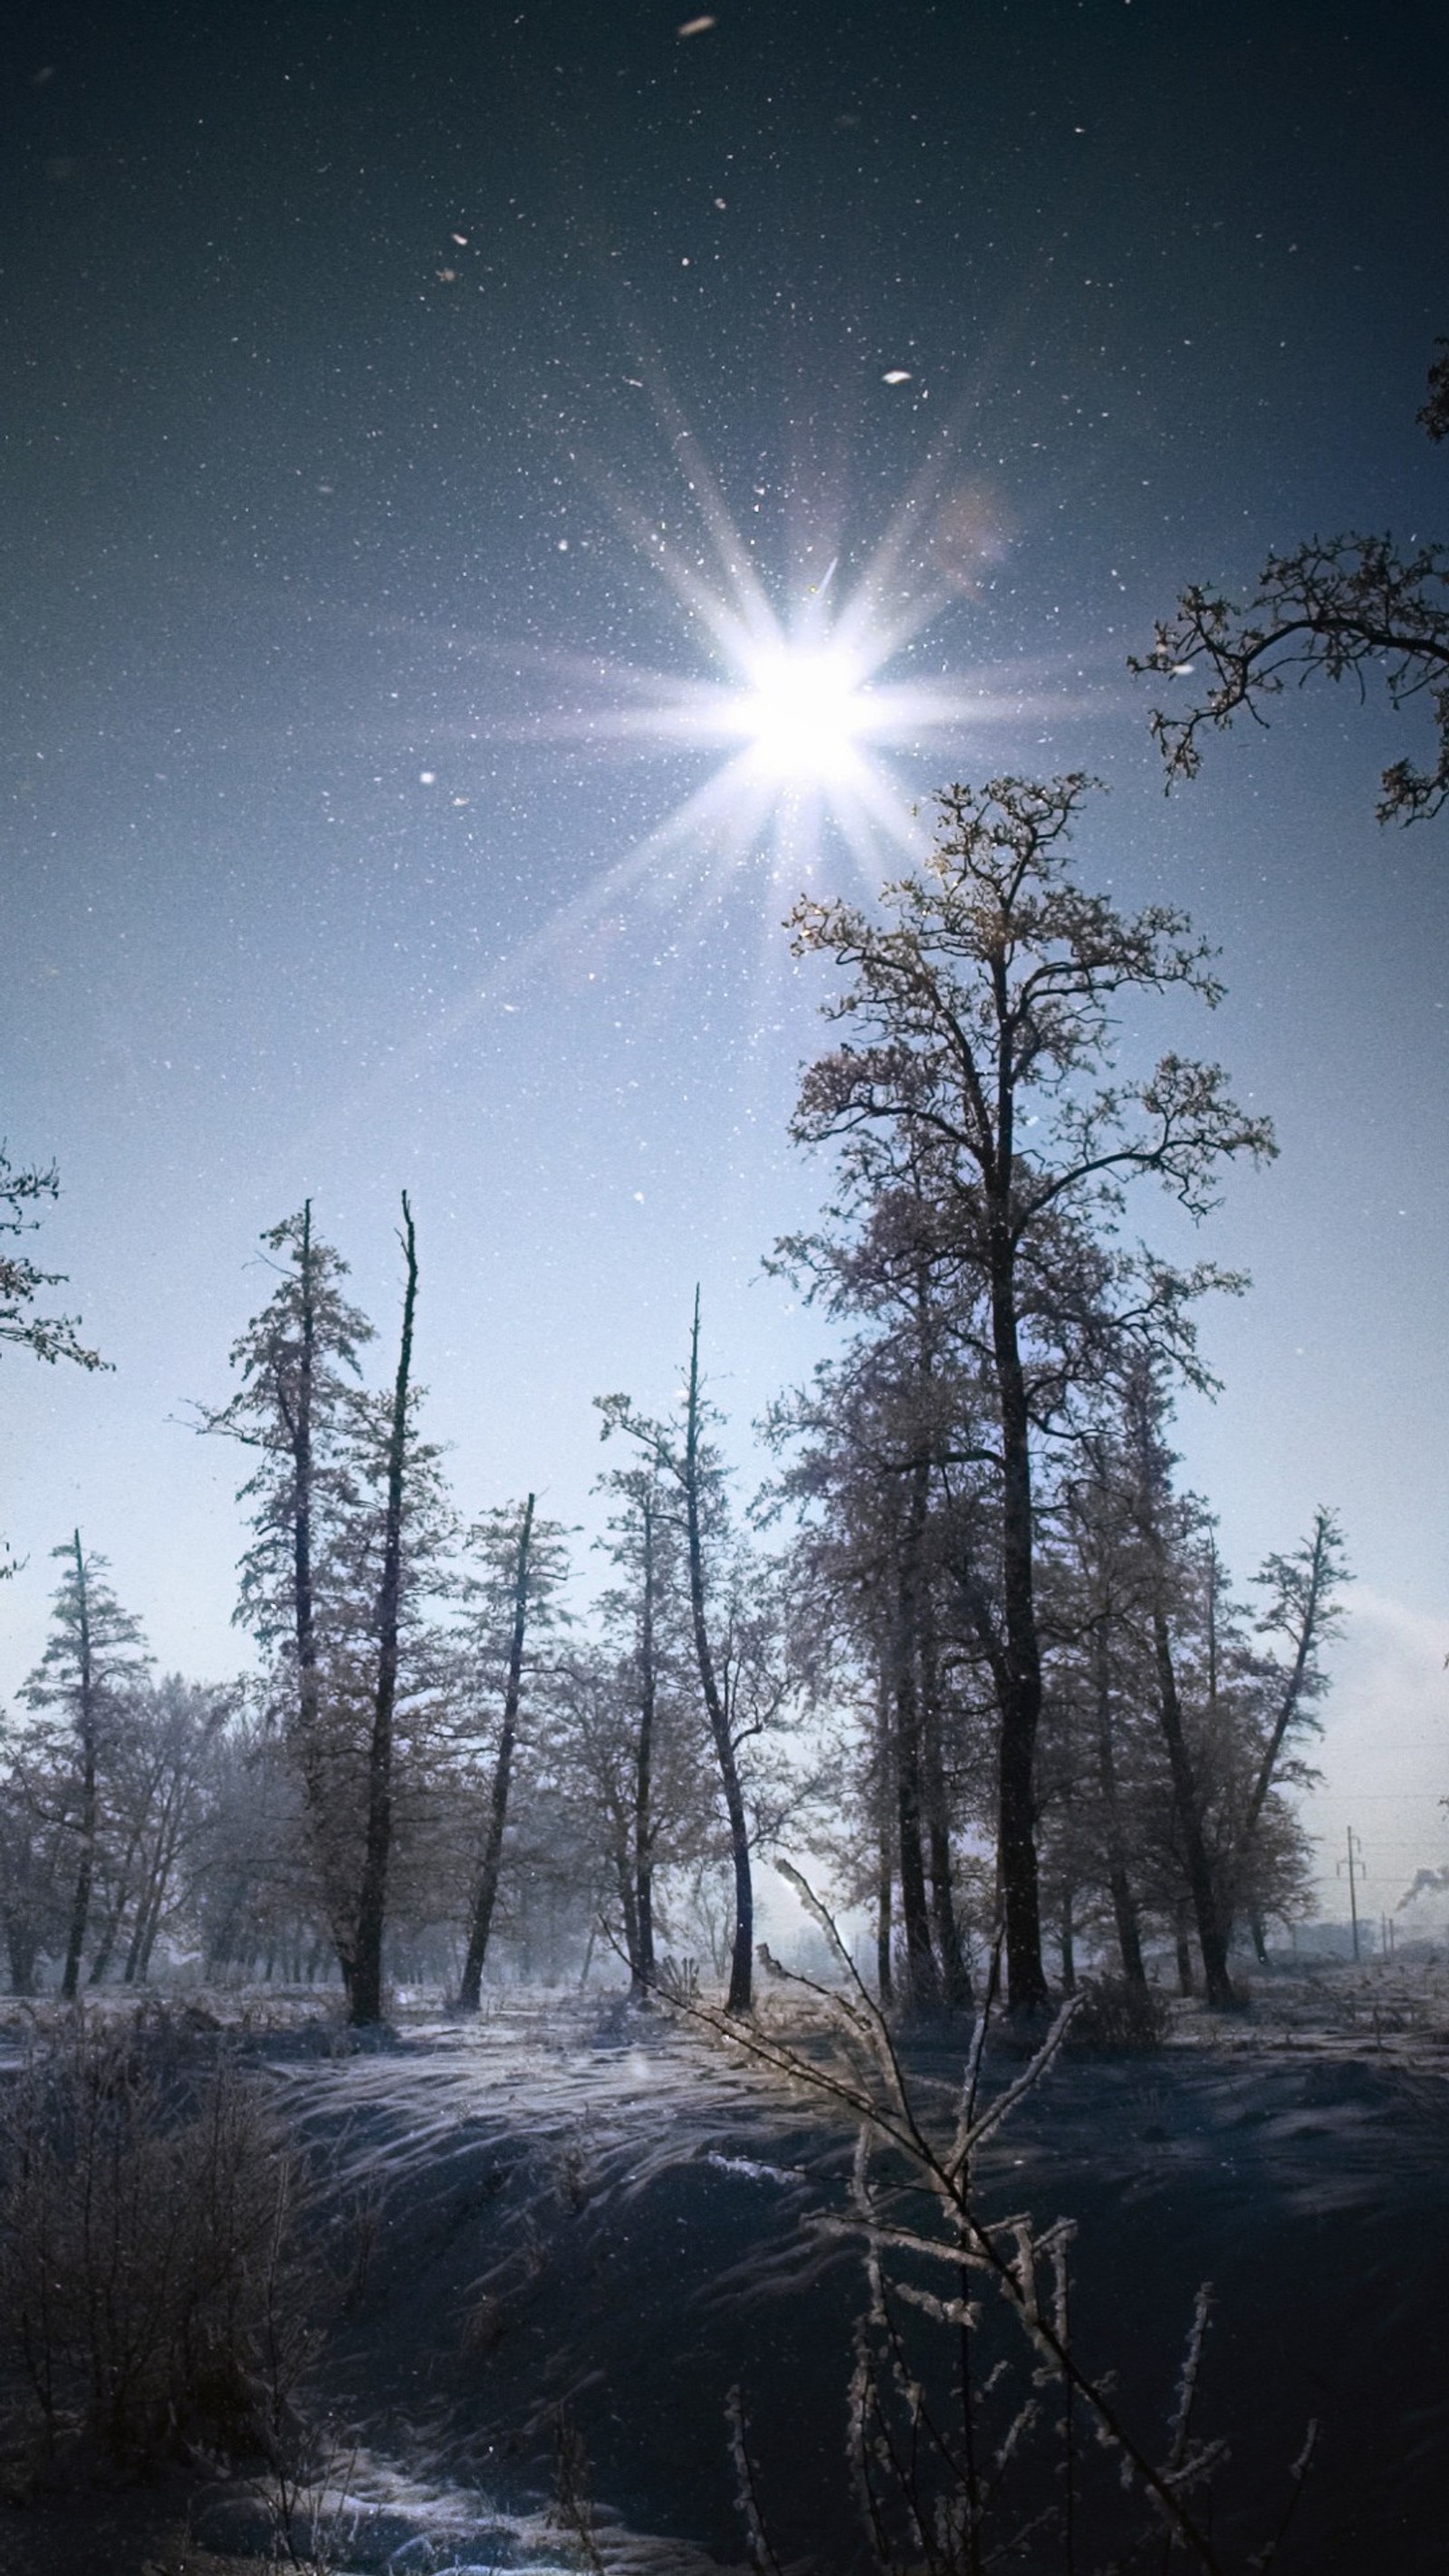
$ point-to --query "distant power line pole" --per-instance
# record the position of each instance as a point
(1354, 1866)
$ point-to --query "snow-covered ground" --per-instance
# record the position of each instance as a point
(570, 2216)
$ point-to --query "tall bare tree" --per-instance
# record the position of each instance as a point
(638, 1608)
(511, 1602)
(688, 1468)
(1304, 1611)
(365, 1981)
(985, 1004)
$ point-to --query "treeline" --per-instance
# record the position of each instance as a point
(973, 1645)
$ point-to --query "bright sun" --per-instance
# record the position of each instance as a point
(802, 711)
(804, 715)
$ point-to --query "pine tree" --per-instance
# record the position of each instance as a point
(351, 1526)
(94, 1656)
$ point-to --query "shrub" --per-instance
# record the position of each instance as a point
(154, 2296)
(976, 2437)
(1117, 2018)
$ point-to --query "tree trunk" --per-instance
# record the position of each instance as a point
(954, 1973)
(86, 1718)
(1068, 1941)
(1210, 1939)
(923, 1983)
(1021, 1666)
(366, 1996)
(151, 1903)
(641, 1947)
(309, 1686)
(1125, 1916)
(884, 1970)
(740, 1999)
(471, 1985)
(104, 1950)
(23, 1950)
(629, 1908)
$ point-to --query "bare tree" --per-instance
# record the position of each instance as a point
(1303, 1611)
(365, 1982)
(1341, 606)
(986, 1003)
(641, 1608)
(882, 1440)
(158, 1781)
(511, 1601)
(690, 1469)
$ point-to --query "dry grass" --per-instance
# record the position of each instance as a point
(155, 2298)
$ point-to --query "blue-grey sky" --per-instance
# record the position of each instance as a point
(355, 361)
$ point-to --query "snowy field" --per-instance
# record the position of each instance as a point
(563, 2232)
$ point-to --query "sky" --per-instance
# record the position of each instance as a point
(416, 423)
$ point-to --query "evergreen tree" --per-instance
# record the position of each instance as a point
(93, 1658)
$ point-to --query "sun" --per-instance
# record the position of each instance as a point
(805, 697)
(804, 715)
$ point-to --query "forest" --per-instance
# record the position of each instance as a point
(971, 1649)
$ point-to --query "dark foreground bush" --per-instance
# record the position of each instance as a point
(976, 2436)
(1115, 2018)
(154, 2297)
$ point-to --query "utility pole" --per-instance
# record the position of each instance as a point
(1354, 1866)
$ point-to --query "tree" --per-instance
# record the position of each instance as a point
(298, 1365)
(93, 1657)
(350, 1523)
(1340, 605)
(985, 1000)
(32, 1861)
(252, 1887)
(625, 1754)
(883, 1436)
(1161, 1524)
(157, 1785)
(50, 1337)
(1303, 1611)
(512, 1599)
(689, 1469)
(366, 1979)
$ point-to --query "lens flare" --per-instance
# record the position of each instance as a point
(804, 715)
